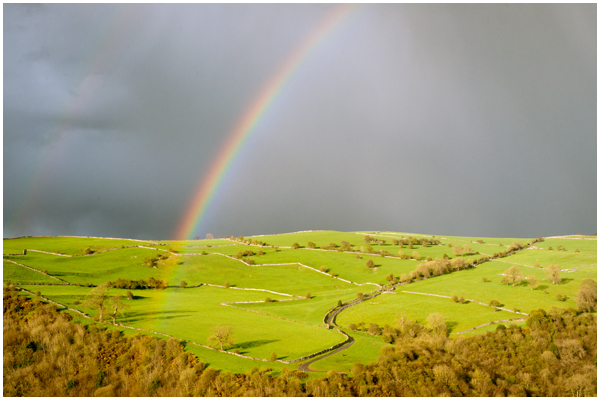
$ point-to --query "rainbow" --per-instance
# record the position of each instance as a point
(209, 185)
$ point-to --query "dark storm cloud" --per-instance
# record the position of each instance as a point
(443, 119)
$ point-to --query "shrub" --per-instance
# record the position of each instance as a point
(560, 297)
(295, 246)
(495, 303)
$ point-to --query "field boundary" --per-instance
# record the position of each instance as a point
(469, 300)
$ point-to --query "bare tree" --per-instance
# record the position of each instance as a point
(437, 322)
(553, 272)
(512, 276)
(222, 336)
(209, 236)
(97, 300)
(117, 305)
(533, 282)
(587, 295)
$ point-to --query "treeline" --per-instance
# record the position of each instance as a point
(150, 283)
(47, 355)
(241, 239)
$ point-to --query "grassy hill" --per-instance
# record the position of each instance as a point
(275, 291)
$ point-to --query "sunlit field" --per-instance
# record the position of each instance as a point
(275, 291)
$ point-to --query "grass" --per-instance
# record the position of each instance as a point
(566, 259)
(388, 309)
(295, 328)
(97, 269)
(469, 284)
(365, 349)
(17, 274)
(191, 314)
(345, 265)
(310, 311)
(67, 245)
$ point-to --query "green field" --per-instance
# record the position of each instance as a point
(291, 325)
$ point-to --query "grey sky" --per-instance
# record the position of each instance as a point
(442, 119)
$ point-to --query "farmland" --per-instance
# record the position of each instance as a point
(277, 291)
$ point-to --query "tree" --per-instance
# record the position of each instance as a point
(495, 304)
(437, 323)
(222, 336)
(209, 236)
(97, 300)
(129, 295)
(587, 295)
(553, 272)
(273, 357)
(295, 246)
(370, 264)
(311, 245)
(308, 295)
(360, 296)
(533, 282)
(117, 305)
(183, 284)
(512, 276)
